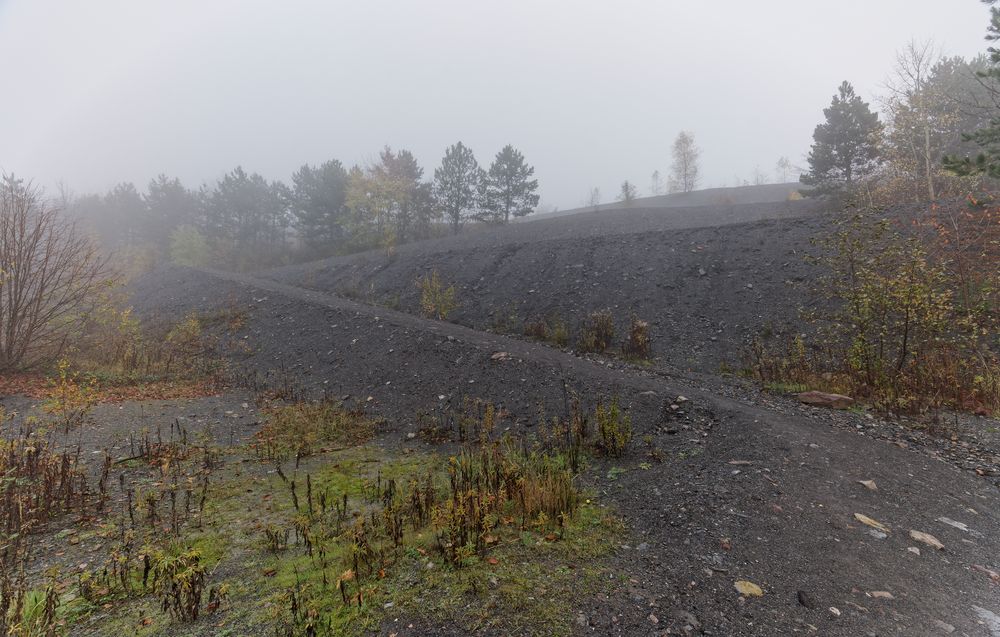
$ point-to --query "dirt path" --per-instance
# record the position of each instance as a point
(744, 493)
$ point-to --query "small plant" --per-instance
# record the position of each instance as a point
(70, 399)
(178, 577)
(559, 334)
(598, 332)
(615, 429)
(552, 330)
(637, 344)
(436, 300)
(537, 329)
(300, 429)
(37, 616)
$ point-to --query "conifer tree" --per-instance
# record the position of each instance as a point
(846, 146)
(509, 189)
(457, 185)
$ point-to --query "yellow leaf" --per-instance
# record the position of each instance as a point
(875, 524)
(748, 589)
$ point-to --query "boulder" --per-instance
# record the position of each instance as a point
(823, 399)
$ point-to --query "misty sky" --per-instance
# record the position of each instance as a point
(98, 92)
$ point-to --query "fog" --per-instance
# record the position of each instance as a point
(591, 92)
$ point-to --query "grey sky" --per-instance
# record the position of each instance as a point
(593, 93)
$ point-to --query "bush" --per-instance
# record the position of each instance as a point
(436, 301)
(552, 330)
(598, 332)
(637, 344)
(907, 315)
(178, 577)
(70, 399)
(615, 429)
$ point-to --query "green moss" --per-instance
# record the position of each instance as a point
(526, 582)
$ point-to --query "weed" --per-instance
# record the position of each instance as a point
(614, 427)
(70, 398)
(178, 577)
(598, 332)
(300, 429)
(637, 343)
(436, 300)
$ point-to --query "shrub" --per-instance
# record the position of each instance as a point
(537, 329)
(637, 344)
(560, 333)
(598, 332)
(70, 398)
(614, 427)
(552, 330)
(178, 577)
(436, 300)
(906, 315)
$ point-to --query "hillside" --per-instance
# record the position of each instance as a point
(706, 279)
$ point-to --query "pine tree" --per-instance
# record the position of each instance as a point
(628, 193)
(987, 138)
(318, 204)
(509, 189)
(846, 146)
(125, 216)
(457, 184)
(169, 205)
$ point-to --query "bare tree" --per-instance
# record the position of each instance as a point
(784, 167)
(759, 177)
(656, 185)
(684, 176)
(49, 276)
(595, 198)
(910, 105)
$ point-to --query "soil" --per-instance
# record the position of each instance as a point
(752, 487)
(705, 291)
(722, 483)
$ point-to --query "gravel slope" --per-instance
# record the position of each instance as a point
(706, 291)
(747, 492)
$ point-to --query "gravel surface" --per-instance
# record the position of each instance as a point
(706, 291)
(751, 487)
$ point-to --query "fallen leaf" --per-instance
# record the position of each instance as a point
(927, 539)
(881, 595)
(869, 484)
(875, 524)
(493, 561)
(993, 575)
(749, 589)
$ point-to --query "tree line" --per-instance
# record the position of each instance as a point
(908, 149)
(244, 221)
